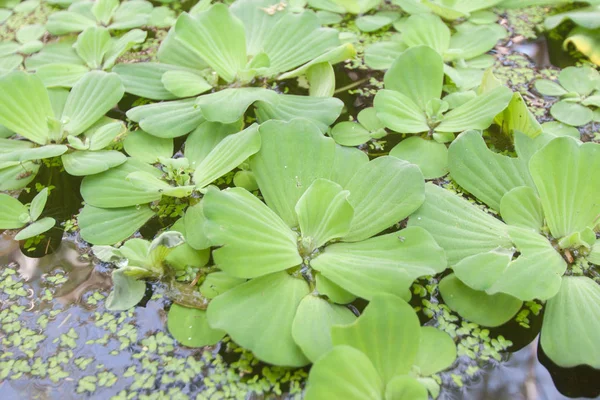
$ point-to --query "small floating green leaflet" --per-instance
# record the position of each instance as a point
(15, 215)
(310, 249)
(547, 198)
(118, 201)
(57, 122)
(578, 93)
(236, 44)
(412, 103)
(384, 354)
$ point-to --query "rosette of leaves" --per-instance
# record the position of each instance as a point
(539, 249)
(578, 91)
(412, 103)
(449, 10)
(136, 260)
(384, 354)
(463, 51)
(63, 63)
(27, 41)
(16, 215)
(112, 14)
(237, 44)
(311, 247)
(51, 123)
(117, 202)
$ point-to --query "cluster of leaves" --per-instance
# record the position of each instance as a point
(312, 228)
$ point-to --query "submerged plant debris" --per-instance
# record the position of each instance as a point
(320, 199)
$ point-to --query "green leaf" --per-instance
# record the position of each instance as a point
(334, 292)
(92, 44)
(102, 133)
(91, 97)
(131, 14)
(357, 6)
(38, 203)
(63, 22)
(388, 332)
(217, 283)
(349, 133)
(381, 55)
(473, 42)
(477, 113)
(517, 117)
(458, 226)
(383, 192)
(404, 387)
(383, 264)
(82, 163)
(563, 172)
(217, 37)
(522, 207)
(431, 157)
(145, 79)
(292, 156)
(344, 373)
(29, 33)
(13, 214)
(258, 315)
(324, 213)
(587, 17)
(399, 113)
(227, 155)
(35, 153)
(104, 226)
(571, 324)
(36, 228)
(146, 147)
(372, 23)
(477, 306)
(61, 75)
(586, 42)
(255, 241)
(111, 189)
(104, 9)
(184, 83)
(436, 353)
(190, 327)
(184, 256)
(484, 173)
(571, 113)
(205, 138)
(581, 80)
(16, 175)
(194, 222)
(481, 271)
(121, 45)
(168, 119)
(418, 74)
(549, 88)
(428, 30)
(126, 293)
(321, 80)
(312, 324)
(24, 106)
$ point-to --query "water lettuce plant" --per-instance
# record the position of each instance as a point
(463, 51)
(63, 63)
(16, 215)
(412, 103)
(70, 124)
(117, 202)
(384, 354)
(449, 10)
(310, 248)
(27, 41)
(547, 199)
(578, 93)
(235, 44)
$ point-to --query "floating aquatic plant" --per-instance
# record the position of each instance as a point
(15, 215)
(547, 199)
(579, 89)
(412, 103)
